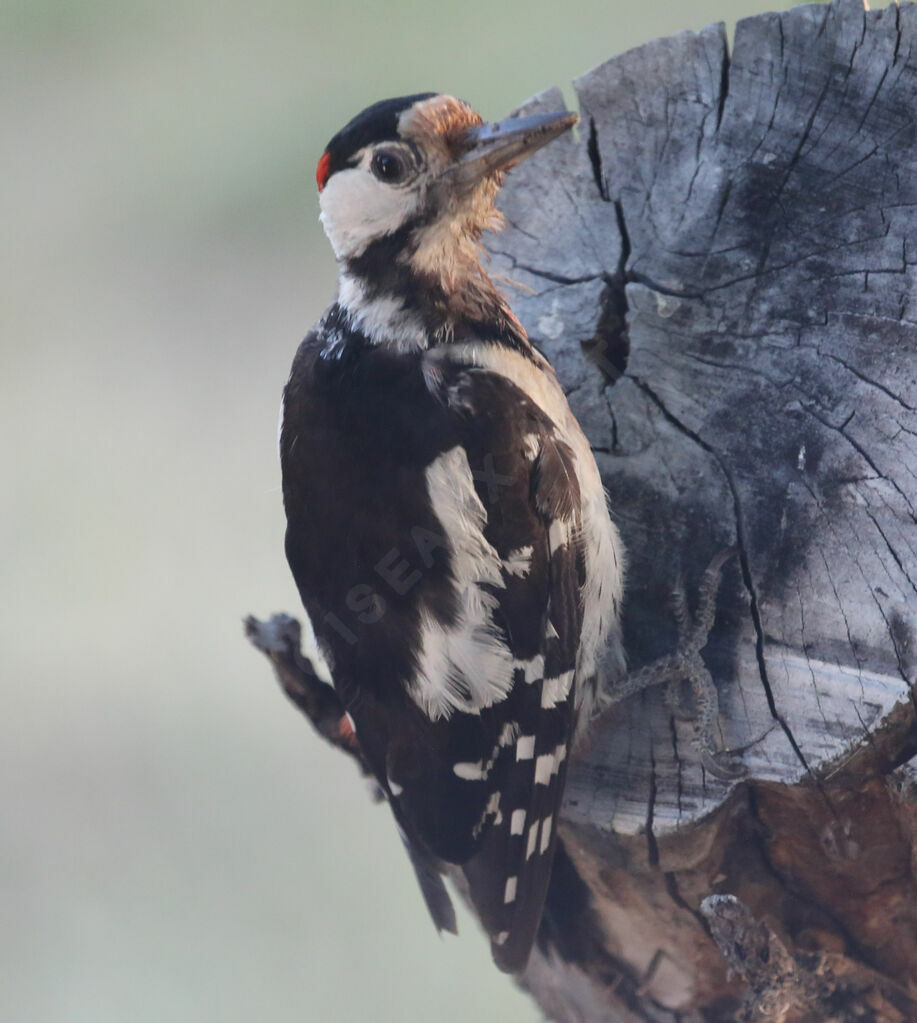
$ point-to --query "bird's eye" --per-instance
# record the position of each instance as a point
(389, 167)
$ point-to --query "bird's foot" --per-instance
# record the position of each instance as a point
(686, 664)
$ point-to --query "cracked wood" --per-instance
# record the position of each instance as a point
(729, 244)
(749, 216)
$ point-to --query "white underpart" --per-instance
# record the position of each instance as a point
(382, 319)
(603, 549)
(357, 208)
(519, 561)
(469, 655)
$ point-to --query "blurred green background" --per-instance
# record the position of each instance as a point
(176, 844)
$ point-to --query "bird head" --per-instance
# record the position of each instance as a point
(406, 189)
(425, 167)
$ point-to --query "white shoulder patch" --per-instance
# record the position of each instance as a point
(603, 549)
(464, 666)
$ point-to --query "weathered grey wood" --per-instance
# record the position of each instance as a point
(721, 269)
(730, 240)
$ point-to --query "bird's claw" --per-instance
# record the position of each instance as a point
(722, 768)
(687, 664)
(278, 636)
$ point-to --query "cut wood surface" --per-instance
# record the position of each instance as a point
(722, 269)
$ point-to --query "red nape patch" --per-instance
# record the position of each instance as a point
(321, 171)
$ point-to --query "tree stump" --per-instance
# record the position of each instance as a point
(719, 268)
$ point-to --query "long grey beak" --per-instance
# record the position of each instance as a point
(493, 147)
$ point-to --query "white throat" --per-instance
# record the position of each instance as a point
(382, 319)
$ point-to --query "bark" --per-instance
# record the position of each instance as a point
(720, 268)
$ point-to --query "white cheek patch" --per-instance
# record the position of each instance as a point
(357, 208)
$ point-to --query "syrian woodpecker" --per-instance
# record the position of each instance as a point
(446, 522)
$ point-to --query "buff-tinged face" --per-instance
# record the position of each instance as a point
(404, 180)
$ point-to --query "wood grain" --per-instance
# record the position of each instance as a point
(720, 269)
